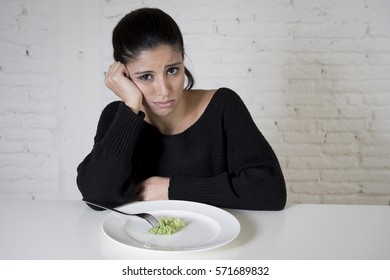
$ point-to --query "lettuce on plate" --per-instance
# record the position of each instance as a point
(167, 226)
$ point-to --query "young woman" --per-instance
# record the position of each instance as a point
(164, 140)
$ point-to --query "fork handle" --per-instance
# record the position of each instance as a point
(106, 208)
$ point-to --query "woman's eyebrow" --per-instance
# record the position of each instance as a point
(174, 64)
(143, 72)
(166, 66)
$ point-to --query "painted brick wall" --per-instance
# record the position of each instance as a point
(314, 74)
(30, 101)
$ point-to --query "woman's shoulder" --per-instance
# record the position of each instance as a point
(223, 98)
(206, 96)
(213, 100)
(201, 94)
(221, 90)
(227, 93)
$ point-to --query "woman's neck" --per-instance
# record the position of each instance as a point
(192, 105)
(171, 124)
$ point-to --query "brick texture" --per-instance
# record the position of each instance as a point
(314, 74)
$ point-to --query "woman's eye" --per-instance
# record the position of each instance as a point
(172, 71)
(145, 77)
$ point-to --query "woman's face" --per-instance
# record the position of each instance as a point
(159, 74)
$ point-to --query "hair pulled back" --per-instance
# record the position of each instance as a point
(146, 29)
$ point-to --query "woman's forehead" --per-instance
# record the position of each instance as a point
(158, 57)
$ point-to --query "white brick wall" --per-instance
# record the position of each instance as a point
(314, 74)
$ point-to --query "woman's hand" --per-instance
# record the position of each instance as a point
(153, 188)
(117, 79)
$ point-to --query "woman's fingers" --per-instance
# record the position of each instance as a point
(117, 80)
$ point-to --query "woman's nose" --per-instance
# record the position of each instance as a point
(162, 87)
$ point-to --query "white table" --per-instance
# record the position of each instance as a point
(71, 230)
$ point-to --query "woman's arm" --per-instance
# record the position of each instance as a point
(253, 179)
(105, 175)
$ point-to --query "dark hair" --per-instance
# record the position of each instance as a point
(146, 29)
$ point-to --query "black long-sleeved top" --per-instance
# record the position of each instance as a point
(222, 159)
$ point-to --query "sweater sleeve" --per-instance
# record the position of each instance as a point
(102, 176)
(253, 178)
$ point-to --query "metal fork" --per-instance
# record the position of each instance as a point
(146, 216)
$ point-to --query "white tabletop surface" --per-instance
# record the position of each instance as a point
(71, 230)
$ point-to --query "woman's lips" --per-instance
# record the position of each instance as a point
(164, 104)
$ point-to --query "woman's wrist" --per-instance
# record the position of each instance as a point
(133, 104)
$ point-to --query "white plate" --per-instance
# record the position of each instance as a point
(206, 227)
